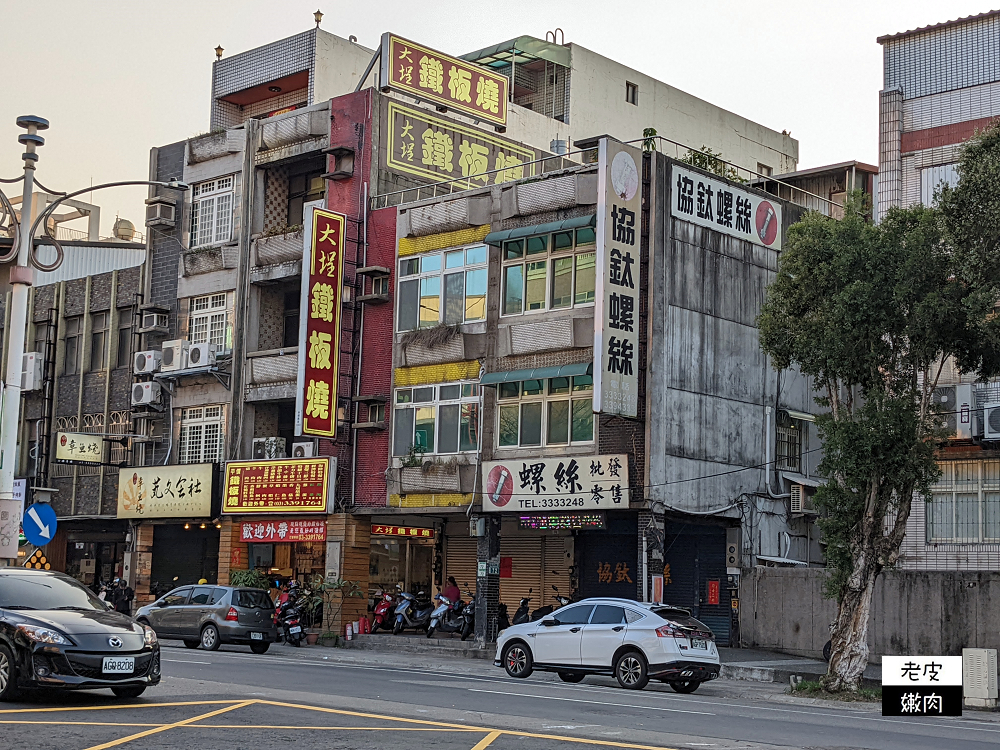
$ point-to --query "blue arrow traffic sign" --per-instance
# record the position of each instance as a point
(39, 524)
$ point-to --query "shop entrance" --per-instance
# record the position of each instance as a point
(93, 563)
(183, 556)
(405, 562)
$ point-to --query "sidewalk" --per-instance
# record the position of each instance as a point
(751, 665)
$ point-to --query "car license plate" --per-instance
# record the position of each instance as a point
(295, 629)
(118, 665)
(256, 636)
(699, 643)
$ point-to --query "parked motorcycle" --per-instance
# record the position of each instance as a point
(412, 612)
(503, 619)
(446, 616)
(521, 615)
(289, 621)
(469, 615)
(383, 611)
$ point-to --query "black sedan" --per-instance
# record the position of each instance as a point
(54, 633)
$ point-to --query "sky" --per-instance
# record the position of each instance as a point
(116, 78)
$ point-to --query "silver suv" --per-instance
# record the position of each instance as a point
(212, 615)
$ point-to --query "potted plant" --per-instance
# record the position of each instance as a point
(311, 603)
(331, 590)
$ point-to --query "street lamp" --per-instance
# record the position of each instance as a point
(22, 277)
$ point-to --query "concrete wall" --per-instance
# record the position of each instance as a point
(913, 612)
(339, 66)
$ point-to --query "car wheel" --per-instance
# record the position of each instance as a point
(517, 660)
(210, 638)
(8, 675)
(571, 676)
(630, 670)
(192, 644)
(397, 627)
(688, 686)
(259, 648)
(129, 691)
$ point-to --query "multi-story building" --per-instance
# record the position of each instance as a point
(294, 128)
(941, 85)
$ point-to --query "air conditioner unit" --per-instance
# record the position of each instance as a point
(979, 675)
(958, 404)
(147, 363)
(799, 502)
(174, 355)
(160, 212)
(201, 355)
(991, 421)
(270, 447)
(31, 371)
(302, 450)
(155, 321)
(145, 393)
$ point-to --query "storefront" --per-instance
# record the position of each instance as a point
(404, 556)
(174, 516)
(92, 551)
(278, 514)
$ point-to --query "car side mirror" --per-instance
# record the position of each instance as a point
(550, 622)
(161, 603)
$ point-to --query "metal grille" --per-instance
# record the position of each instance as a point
(965, 504)
(789, 449)
(120, 424)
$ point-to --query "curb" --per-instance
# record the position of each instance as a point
(406, 646)
(748, 674)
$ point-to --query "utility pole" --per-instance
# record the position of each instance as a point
(21, 277)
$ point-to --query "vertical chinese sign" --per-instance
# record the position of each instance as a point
(319, 324)
(447, 81)
(616, 317)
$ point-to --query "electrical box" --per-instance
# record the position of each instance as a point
(979, 676)
(733, 553)
(31, 371)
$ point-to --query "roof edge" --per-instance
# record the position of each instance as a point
(923, 29)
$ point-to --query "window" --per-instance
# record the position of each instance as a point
(124, 337)
(764, 170)
(632, 93)
(376, 413)
(447, 287)
(436, 418)
(574, 615)
(41, 334)
(549, 272)
(201, 435)
(208, 321)
(202, 596)
(965, 503)
(98, 341)
(607, 615)
(212, 212)
(789, 450)
(558, 411)
(71, 364)
(302, 189)
(380, 285)
(176, 598)
(291, 333)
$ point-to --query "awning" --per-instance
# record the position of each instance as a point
(495, 238)
(781, 560)
(537, 373)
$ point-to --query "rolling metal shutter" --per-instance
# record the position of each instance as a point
(696, 555)
(460, 561)
(526, 572)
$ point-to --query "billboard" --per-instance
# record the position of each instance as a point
(294, 485)
(165, 491)
(79, 448)
(564, 483)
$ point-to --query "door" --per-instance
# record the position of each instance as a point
(166, 620)
(609, 559)
(694, 561)
(602, 636)
(192, 614)
(560, 643)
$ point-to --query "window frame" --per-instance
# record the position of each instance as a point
(785, 441)
(99, 340)
(545, 397)
(209, 314)
(213, 193)
(197, 419)
(71, 365)
(441, 273)
(632, 93)
(984, 480)
(305, 196)
(550, 256)
(470, 394)
(125, 319)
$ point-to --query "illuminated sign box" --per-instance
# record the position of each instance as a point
(282, 486)
(165, 491)
(79, 448)
(562, 521)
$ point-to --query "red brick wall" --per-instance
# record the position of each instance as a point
(944, 135)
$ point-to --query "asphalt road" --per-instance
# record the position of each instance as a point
(327, 698)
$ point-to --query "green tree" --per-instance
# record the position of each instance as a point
(711, 161)
(871, 314)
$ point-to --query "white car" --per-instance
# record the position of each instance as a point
(631, 640)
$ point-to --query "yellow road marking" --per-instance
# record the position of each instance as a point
(48, 723)
(299, 726)
(110, 708)
(486, 741)
(166, 727)
(363, 715)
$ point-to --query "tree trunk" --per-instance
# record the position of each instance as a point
(849, 653)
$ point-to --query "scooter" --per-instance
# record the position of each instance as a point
(469, 615)
(521, 614)
(503, 620)
(548, 609)
(411, 612)
(447, 616)
(289, 623)
(382, 614)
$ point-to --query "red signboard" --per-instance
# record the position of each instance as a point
(235, 558)
(713, 592)
(506, 567)
(449, 81)
(411, 531)
(295, 485)
(283, 530)
(319, 329)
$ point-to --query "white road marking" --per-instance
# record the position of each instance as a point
(581, 700)
(186, 661)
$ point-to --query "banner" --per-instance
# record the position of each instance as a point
(432, 76)
(284, 530)
(714, 203)
(165, 491)
(320, 314)
(412, 531)
(571, 483)
(294, 485)
(79, 448)
(616, 314)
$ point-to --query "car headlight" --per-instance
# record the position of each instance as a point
(44, 635)
(149, 635)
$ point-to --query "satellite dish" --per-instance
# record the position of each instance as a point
(124, 230)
